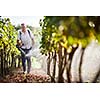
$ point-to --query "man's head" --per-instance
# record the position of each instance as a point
(23, 27)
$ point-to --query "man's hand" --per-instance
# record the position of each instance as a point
(19, 42)
(33, 42)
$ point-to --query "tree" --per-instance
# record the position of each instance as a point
(60, 37)
(8, 49)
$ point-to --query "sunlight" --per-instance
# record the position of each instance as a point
(29, 20)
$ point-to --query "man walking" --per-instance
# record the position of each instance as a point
(25, 41)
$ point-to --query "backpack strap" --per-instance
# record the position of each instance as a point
(29, 33)
(20, 34)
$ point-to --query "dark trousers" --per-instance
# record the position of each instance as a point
(24, 59)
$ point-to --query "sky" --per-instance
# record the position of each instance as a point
(28, 20)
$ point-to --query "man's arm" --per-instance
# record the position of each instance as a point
(33, 42)
(19, 42)
(32, 37)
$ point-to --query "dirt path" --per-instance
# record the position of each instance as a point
(35, 76)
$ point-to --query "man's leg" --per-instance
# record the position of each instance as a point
(29, 64)
(24, 63)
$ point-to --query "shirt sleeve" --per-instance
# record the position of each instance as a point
(18, 36)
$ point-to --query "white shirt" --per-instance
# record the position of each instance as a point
(26, 39)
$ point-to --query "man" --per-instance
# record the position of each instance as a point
(25, 41)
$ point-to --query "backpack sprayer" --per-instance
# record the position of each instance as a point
(35, 52)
